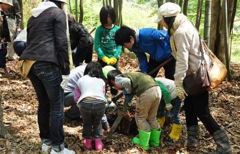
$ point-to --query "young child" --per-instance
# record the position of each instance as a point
(107, 50)
(168, 86)
(149, 95)
(92, 104)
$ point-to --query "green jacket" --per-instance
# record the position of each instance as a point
(104, 43)
(140, 82)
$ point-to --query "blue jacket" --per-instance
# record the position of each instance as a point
(154, 42)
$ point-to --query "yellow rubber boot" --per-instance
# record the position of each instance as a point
(176, 131)
(161, 121)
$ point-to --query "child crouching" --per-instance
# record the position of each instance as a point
(169, 94)
(149, 95)
(92, 104)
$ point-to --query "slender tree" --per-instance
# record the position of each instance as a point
(160, 2)
(226, 39)
(185, 7)
(81, 11)
(70, 6)
(180, 3)
(207, 21)
(217, 43)
(76, 10)
(199, 14)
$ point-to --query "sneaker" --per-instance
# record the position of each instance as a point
(64, 151)
(45, 148)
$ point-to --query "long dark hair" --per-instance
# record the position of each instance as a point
(169, 21)
(94, 69)
(104, 12)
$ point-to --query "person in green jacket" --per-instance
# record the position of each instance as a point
(149, 96)
(104, 44)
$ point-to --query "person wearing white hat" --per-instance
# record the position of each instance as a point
(185, 44)
(47, 57)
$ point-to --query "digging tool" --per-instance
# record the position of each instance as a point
(122, 113)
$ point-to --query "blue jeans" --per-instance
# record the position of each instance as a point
(46, 79)
(174, 113)
(3, 53)
(92, 112)
(69, 99)
(19, 47)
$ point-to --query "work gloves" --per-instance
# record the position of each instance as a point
(109, 61)
(181, 93)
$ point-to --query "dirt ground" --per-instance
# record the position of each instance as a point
(20, 117)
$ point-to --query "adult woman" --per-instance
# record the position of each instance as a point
(186, 48)
(47, 52)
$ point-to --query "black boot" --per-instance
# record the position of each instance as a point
(221, 139)
(192, 137)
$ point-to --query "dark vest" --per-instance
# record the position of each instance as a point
(140, 82)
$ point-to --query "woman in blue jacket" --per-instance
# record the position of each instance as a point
(148, 40)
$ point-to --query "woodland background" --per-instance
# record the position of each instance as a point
(18, 112)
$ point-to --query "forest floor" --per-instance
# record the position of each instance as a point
(20, 118)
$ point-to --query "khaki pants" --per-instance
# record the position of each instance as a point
(146, 109)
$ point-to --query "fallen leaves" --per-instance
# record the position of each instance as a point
(20, 117)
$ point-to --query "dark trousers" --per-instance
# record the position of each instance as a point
(3, 53)
(197, 107)
(169, 68)
(19, 47)
(92, 112)
(46, 79)
(83, 54)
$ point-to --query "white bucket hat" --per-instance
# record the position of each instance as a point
(9, 2)
(168, 10)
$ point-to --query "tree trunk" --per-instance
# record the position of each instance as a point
(21, 8)
(180, 3)
(3, 131)
(207, 21)
(120, 13)
(104, 3)
(185, 7)
(116, 8)
(199, 14)
(226, 39)
(160, 2)
(76, 10)
(70, 6)
(81, 11)
(217, 43)
(214, 31)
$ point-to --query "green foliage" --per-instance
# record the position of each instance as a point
(27, 6)
(139, 14)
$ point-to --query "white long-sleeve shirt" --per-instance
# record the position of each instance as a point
(91, 87)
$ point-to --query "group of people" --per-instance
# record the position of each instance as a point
(45, 59)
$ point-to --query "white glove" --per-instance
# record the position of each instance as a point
(181, 93)
(64, 81)
(168, 106)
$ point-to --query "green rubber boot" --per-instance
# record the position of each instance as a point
(155, 138)
(143, 140)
